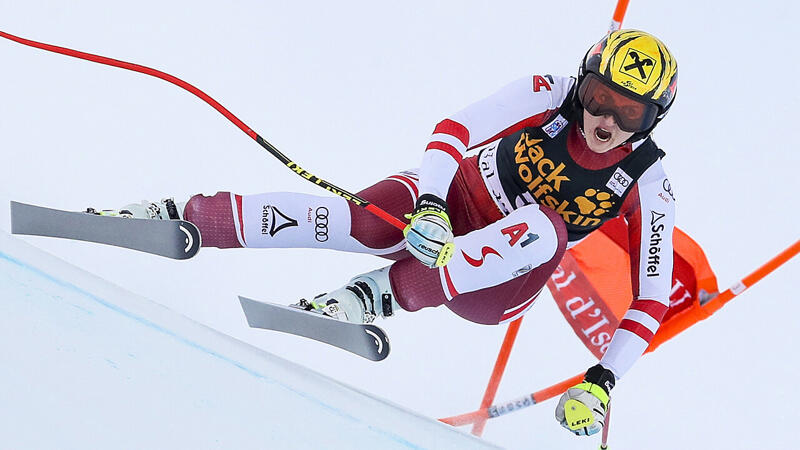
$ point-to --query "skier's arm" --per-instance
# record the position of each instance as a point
(650, 212)
(651, 219)
(525, 102)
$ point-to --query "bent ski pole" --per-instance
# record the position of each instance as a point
(222, 110)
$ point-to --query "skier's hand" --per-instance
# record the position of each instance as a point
(429, 236)
(582, 409)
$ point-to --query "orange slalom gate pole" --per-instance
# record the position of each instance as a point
(497, 373)
(753, 278)
(619, 14)
(513, 405)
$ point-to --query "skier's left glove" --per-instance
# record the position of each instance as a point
(429, 236)
(582, 409)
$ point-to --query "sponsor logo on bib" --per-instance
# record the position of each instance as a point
(619, 182)
(553, 128)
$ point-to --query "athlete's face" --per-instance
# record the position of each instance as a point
(602, 133)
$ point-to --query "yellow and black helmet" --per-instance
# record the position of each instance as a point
(636, 62)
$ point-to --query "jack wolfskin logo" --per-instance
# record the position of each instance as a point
(594, 202)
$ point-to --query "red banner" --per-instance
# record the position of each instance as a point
(592, 286)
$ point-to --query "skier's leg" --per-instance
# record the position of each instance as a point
(494, 277)
(288, 220)
(396, 195)
(166, 209)
(496, 272)
(293, 220)
(361, 300)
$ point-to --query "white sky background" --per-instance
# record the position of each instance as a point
(351, 91)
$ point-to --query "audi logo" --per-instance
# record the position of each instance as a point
(321, 224)
(619, 178)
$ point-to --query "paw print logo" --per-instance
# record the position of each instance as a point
(594, 202)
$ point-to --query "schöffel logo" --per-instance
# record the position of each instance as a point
(273, 220)
(321, 224)
(654, 246)
(619, 182)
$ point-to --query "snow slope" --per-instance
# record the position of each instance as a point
(87, 364)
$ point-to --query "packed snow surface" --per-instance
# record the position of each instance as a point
(87, 364)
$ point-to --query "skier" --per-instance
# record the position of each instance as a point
(558, 157)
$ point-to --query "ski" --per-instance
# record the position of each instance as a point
(176, 239)
(365, 340)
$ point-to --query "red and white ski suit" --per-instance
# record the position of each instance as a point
(506, 248)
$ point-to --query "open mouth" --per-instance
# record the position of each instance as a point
(602, 135)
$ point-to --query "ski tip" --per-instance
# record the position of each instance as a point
(246, 303)
(381, 340)
(191, 238)
(13, 208)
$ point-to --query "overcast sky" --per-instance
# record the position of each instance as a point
(351, 91)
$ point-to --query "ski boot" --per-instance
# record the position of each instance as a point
(166, 209)
(361, 300)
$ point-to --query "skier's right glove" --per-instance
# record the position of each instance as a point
(582, 409)
(429, 236)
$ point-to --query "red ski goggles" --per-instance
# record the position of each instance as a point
(600, 99)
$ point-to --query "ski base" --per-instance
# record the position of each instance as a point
(176, 239)
(366, 340)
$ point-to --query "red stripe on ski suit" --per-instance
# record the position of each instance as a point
(445, 147)
(637, 329)
(453, 128)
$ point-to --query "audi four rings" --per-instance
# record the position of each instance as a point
(321, 224)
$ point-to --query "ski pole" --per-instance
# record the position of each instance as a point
(222, 110)
(604, 441)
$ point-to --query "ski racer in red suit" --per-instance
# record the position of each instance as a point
(556, 157)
